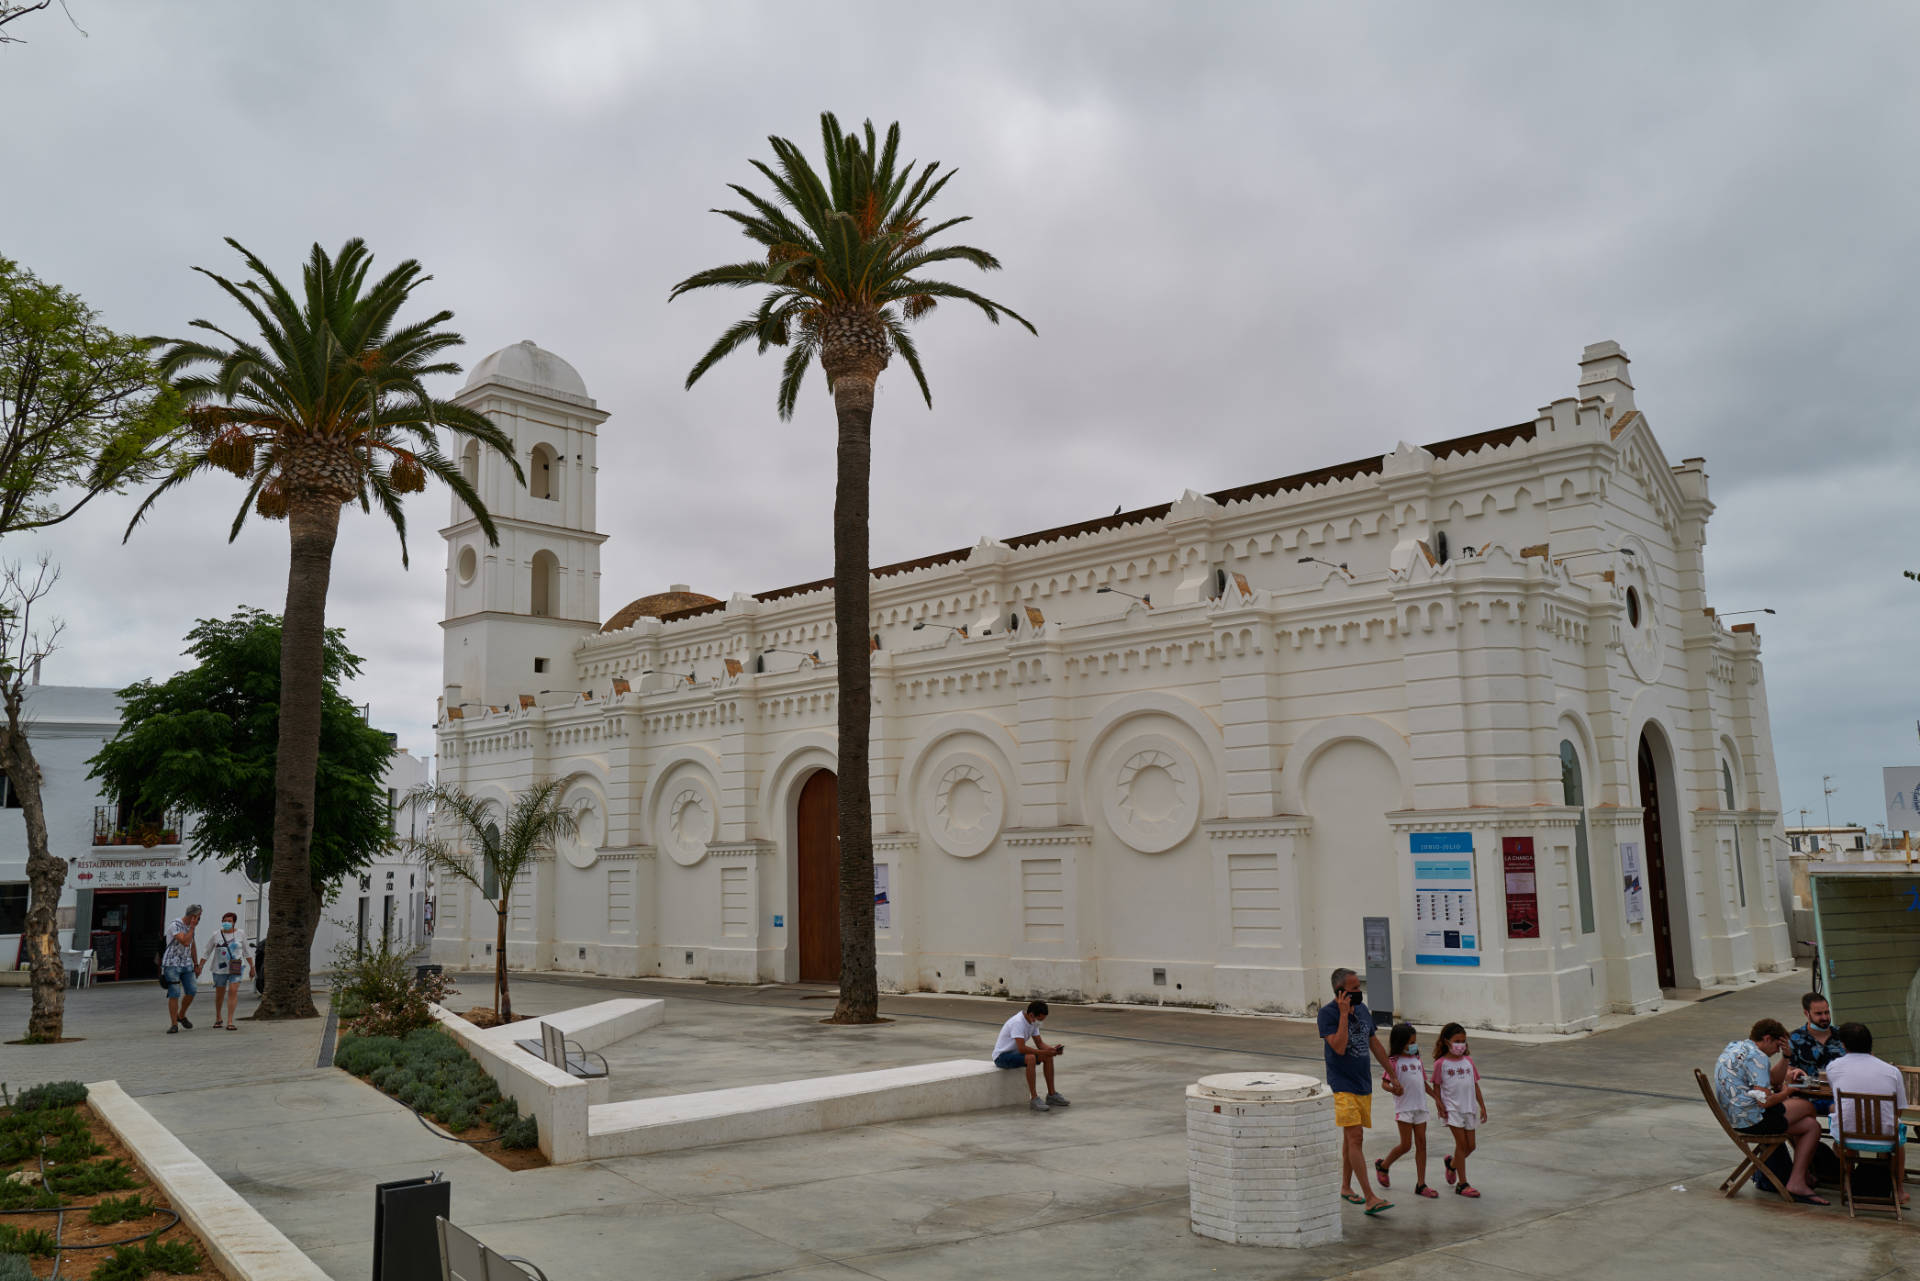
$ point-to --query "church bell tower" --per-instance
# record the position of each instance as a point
(515, 611)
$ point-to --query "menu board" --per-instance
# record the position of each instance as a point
(1522, 891)
(1446, 917)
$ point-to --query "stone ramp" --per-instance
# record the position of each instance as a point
(637, 1127)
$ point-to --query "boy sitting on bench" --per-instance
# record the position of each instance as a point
(1019, 1045)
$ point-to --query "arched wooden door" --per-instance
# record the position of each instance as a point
(817, 909)
(1656, 871)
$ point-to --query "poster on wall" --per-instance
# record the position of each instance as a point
(882, 904)
(1633, 883)
(1523, 894)
(1446, 920)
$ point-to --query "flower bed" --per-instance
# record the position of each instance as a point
(69, 1191)
(428, 1071)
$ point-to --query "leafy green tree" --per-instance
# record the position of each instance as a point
(842, 253)
(205, 741)
(329, 406)
(82, 413)
(492, 851)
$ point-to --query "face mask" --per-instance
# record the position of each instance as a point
(1458, 1049)
(226, 929)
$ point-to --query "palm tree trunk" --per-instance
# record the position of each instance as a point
(859, 976)
(502, 999)
(314, 524)
(46, 877)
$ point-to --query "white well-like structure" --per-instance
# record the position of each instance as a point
(1492, 659)
(1263, 1159)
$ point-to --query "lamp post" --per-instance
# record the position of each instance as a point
(1146, 600)
(960, 631)
(1340, 565)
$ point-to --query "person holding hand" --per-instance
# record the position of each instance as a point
(1346, 1028)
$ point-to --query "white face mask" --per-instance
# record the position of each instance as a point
(226, 929)
(1458, 1049)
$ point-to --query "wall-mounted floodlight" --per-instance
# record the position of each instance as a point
(1735, 613)
(689, 677)
(1146, 599)
(811, 654)
(1340, 565)
(961, 631)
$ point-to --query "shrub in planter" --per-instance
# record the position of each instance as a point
(377, 994)
(14, 1267)
(53, 1094)
(521, 1133)
(28, 1241)
(108, 1175)
(118, 1209)
(137, 1262)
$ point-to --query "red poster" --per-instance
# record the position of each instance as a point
(1523, 898)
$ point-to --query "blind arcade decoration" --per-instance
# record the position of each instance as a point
(1446, 919)
(1523, 895)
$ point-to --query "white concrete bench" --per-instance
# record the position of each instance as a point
(553, 1096)
(639, 1126)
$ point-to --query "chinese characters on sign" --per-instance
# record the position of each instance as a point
(1523, 897)
(1634, 884)
(131, 873)
(1446, 919)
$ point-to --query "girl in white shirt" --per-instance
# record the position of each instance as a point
(1409, 1107)
(1456, 1094)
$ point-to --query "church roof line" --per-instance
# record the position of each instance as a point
(1456, 446)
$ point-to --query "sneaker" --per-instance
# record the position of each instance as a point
(172, 1028)
(1040, 1105)
(1057, 1101)
(186, 1023)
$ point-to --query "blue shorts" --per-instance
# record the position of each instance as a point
(180, 980)
(222, 978)
(1009, 1059)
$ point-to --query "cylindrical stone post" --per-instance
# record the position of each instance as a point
(1263, 1159)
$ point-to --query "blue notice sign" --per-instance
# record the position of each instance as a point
(1440, 842)
(1445, 914)
(779, 921)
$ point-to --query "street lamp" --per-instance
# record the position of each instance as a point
(1146, 600)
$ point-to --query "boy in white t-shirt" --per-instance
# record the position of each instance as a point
(1019, 1045)
(1859, 1072)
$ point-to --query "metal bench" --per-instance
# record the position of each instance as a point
(564, 1054)
(462, 1258)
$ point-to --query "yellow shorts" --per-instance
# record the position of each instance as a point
(1353, 1109)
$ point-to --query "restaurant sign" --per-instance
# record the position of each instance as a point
(131, 873)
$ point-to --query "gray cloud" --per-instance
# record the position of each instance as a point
(1255, 240)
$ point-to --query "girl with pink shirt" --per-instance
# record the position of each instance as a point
(1457, 1097)
(1409, 1107)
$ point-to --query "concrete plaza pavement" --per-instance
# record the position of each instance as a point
(1588, 1143)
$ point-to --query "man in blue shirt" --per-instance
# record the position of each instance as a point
(1346, 1028)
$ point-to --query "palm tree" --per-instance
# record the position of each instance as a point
(841, 253)
(327, 407)
(504, 854)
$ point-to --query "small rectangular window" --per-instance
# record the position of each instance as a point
(9, 799)
(539, 665)
(13, 908)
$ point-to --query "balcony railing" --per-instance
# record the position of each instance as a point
(111, 828)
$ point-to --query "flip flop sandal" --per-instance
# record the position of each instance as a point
(1811, 1200)
(1424, 1190)
(1380, 1173)
(1448, 1162)
(1379, 1209)
(1466, 1190)
(1351, 1199)
(232, 1028)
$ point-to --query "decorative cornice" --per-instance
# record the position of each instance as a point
(739, 851)
(897, 842)
(1032, 836)
(1742, 818)
(1233, 829)
(625, 854)
(1496, 817)
(1617, 816)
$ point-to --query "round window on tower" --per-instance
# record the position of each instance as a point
(469, 563)
(1633, 607)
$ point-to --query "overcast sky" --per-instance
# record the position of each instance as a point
(1255, 240)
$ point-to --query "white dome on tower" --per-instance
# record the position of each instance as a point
(531, 366)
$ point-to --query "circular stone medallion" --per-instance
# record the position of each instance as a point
(582, 849)
(1153, 800)
(686, 822)
(966, 805)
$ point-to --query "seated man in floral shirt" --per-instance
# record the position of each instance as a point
(1754, 1095)
(1814, 1044)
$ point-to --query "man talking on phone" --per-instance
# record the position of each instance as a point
(1346, 1028)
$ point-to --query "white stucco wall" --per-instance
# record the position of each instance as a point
(1196, 802)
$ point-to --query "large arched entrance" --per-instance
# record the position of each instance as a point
(1352, 874)
(817, 901)
(1656, 800)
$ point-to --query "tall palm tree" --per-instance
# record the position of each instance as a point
(483, 851)
(327, 406)
(841, 253)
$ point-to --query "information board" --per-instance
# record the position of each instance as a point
(1632, 883)
(1523, 894)
(1446, 918)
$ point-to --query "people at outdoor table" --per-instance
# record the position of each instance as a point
(1858, 1071)
(1753, 1094)
(1813, 1044)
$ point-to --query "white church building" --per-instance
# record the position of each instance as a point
(1465, 707)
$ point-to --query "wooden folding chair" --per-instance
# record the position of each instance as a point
(1910, 1077)
(1755, 1149)
(1871, 1133)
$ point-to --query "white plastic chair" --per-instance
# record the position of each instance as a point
(79, 967)
(462, 1258)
